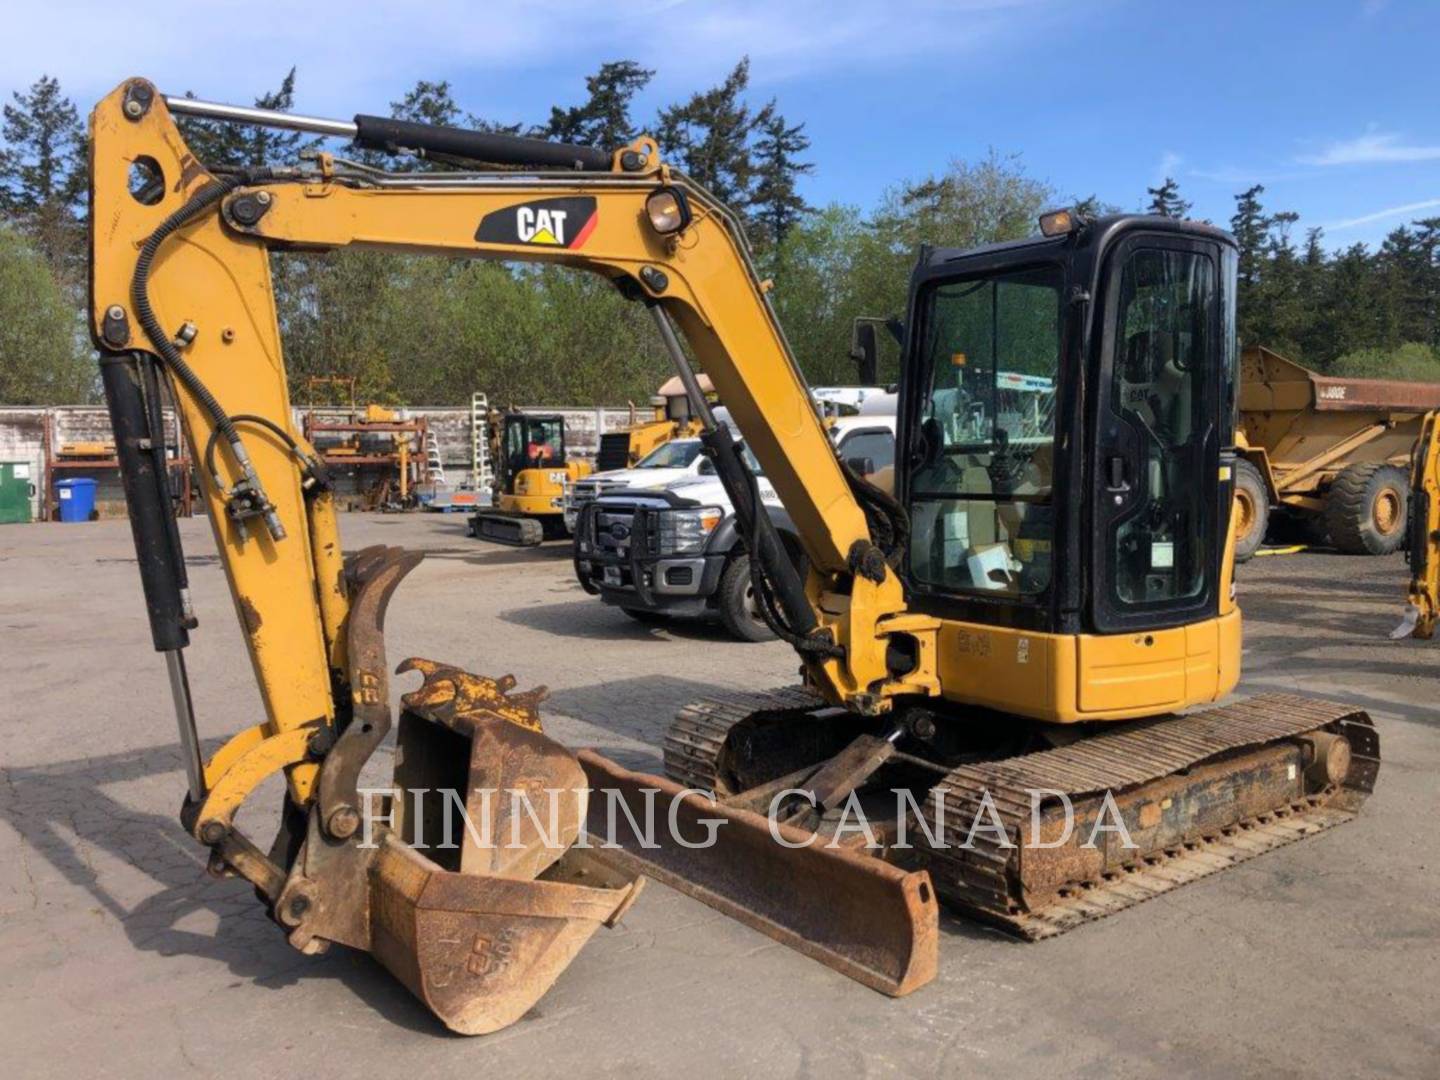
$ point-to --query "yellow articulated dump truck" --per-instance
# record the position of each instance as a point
(1327, 452)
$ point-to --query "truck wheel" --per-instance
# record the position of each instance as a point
(1252, 510)
(1366, 508)
(736, 601)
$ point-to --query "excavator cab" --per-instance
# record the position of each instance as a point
(1043, 455)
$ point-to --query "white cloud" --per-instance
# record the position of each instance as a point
(1381, 215)
(1168, 166)
(361, 55)
(1371, 148)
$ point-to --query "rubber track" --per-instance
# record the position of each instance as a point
(979, 882)
(982, 881)
(697, 735)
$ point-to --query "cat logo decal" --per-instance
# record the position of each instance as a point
(562, 223)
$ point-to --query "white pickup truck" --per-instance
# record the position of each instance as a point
(679, 459)
(690, 560)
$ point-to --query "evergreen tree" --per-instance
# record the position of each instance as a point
(776, 205)
(44, 174)
(709, 136)
(1400, 267)
(1315, 335)
(1427, 236)
(241, 145)
(604, 119)
(428, 103)
(1165, 200)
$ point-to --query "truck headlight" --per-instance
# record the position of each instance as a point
(685, 532)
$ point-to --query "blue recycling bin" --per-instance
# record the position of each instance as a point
(77, 498)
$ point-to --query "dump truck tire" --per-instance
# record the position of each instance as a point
(737, 604)
(1366, 509)
(1252, 510)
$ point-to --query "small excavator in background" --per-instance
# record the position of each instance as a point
(999, 657)
(533, 468)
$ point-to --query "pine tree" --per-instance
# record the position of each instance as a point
(776, 205)
(604, 119)
(1251, 228)
(1165, 200)
(1316, 334)
(1427, 235)
(428, 103)
(1279, 317)
(709, 135)
(1401, 270)
(43, 173)
(241, 145)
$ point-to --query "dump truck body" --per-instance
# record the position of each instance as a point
(1329, 450)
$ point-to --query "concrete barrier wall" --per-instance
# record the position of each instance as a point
(22, 438)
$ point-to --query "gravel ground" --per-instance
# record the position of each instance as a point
(120, 957)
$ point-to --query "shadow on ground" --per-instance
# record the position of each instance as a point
(49, 804)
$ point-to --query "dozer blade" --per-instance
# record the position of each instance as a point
(863, 917)
(465, 886)
(510, 529)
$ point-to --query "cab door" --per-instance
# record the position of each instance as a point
(1155, 474)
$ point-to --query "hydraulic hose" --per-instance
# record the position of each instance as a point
(170, 355)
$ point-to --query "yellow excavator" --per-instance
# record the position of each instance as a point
(1422, 601)
(997, 658)
(533, 470)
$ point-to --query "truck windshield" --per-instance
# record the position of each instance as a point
(672, 455)
(980, 498)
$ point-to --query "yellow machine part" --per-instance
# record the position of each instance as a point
(542, 490)
(1060, 678)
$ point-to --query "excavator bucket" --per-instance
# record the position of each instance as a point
(482, 925)
(465, 884)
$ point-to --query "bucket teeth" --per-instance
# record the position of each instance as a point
(450, 696)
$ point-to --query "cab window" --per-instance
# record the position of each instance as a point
(980, 497)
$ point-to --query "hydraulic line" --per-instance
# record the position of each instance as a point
(170, 355)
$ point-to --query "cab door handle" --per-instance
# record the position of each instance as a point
(1115, 473)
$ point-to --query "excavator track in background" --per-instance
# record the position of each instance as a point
(514, 530)
(1197, 793)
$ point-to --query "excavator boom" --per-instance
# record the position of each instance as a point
(181, 296)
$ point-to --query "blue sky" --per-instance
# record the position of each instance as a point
(1331, 104)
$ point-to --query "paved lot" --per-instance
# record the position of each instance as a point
(120, 957)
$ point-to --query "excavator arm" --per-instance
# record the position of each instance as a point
(1422, 607)
(181, 296)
